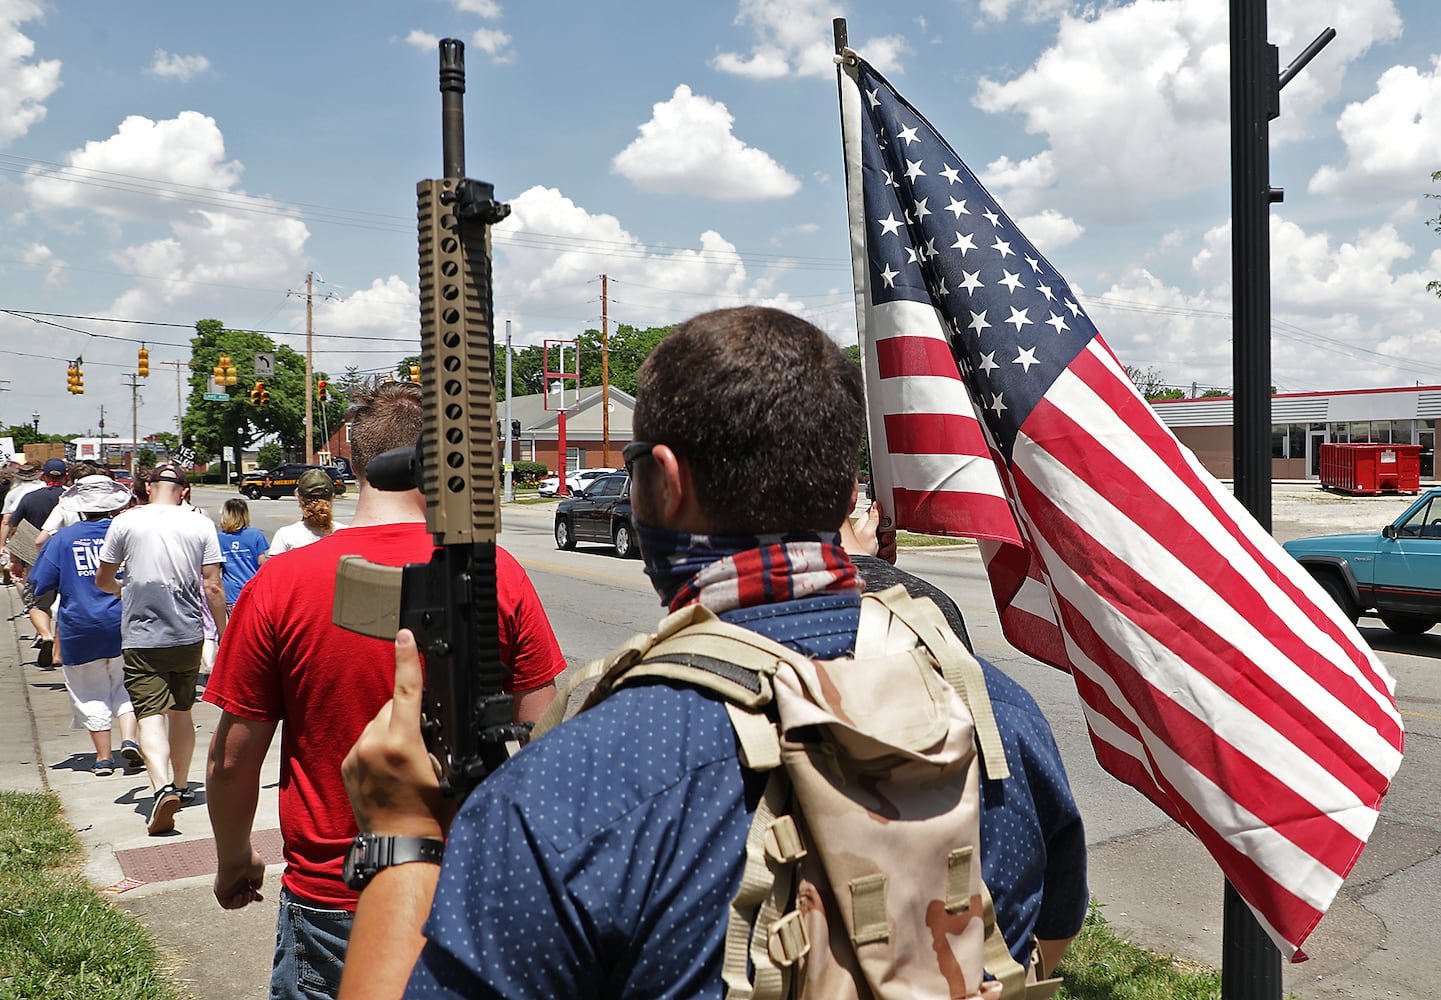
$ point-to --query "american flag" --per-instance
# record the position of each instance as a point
(1216, 677)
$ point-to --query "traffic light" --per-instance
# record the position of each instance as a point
(143, 363)
(320, 390)
(514, 429)
(415, 373)
(75, 378)
(224, 372)
(257, 394)
(264, 394)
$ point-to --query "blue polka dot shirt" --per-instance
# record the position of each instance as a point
(601, 861)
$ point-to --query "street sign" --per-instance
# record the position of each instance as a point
(218, 397)
(264, 364)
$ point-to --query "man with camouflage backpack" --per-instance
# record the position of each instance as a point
(604, 859)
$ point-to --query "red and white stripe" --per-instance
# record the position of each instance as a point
(1217, 678)
(932, 466)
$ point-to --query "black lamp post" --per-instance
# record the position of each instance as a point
(35, 422)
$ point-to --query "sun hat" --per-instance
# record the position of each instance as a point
(53, 467)
(27, 473)
(94, 495)
(314, 483)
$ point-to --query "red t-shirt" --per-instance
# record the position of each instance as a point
(282, 659)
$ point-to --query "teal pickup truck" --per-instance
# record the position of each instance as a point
(1395, 573)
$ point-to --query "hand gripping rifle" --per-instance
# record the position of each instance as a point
(450, 603)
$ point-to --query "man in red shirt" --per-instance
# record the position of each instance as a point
(283, 659)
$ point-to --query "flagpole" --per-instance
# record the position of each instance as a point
(1250, 962)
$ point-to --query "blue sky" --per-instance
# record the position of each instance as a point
(167, 162)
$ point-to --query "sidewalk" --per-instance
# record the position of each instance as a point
(165, 880)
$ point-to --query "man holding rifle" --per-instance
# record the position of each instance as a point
(602, 860)
(283, 659)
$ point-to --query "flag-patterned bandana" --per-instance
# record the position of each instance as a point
(738, 571)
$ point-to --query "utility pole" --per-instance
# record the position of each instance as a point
(309, 334)
(310, 280)
(179, 408)
(509, 444)
(604, 375)
(134, 420)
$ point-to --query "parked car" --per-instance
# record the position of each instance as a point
(280, 482)
(574, 481)
(1395, 573)
(599, 513)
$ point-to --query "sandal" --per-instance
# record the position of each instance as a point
(103, 768)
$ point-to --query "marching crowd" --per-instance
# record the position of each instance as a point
(604, 858)
(128, 592)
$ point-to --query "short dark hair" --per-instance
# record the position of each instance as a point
(384, 414)
(768, 412)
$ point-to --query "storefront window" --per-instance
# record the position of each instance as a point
(1360, 431)
(1278, 440)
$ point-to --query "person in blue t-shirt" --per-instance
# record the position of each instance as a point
(241, 545)
(88, 622)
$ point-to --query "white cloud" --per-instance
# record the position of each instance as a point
(172, 161)
(387, 308)
(542, 285)
(1049, 229)
(38, 255)
(1391, 137)
(25, 83)
(1366, 290)
(793, 37)
(172, 175)
(183, 68)
(1158, 108)
(687, 148)
(488, 9)
(494, 43)
(1031, 10)
(422, 40)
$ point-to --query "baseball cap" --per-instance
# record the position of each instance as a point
(315, 483)
(54, 467)
(168, 474)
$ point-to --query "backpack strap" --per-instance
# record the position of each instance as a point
(753, 967)
(889, 616)
(999, 961)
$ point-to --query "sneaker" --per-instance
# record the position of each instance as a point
(187, 795)
(104, 768)
(130, 750)
(162, 810)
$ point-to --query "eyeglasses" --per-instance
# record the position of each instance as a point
(634, 452)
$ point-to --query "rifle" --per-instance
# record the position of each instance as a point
(450, 603)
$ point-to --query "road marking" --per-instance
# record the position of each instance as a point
(1419, 715)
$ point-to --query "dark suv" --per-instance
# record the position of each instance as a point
(599, 513)
(280, 482)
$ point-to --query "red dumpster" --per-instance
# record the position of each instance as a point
(1371, 468)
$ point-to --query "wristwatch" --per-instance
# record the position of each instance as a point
(370, 853)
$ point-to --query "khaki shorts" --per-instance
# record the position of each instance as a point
(162, 679)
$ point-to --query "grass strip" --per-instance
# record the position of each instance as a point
(1102, 965)
(58, 938)
(911, 540)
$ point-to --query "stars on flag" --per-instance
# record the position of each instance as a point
(924, 206)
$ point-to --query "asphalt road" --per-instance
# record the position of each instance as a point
(1154, 880)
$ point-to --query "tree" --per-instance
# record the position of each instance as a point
(1434, 286)
(210, 426)
(1150, 383)
(269, 456)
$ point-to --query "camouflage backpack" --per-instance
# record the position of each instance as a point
(862, 872)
